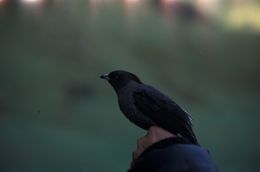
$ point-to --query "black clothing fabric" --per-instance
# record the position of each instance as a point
(174, 155)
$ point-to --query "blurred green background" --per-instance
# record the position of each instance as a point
(57, 115)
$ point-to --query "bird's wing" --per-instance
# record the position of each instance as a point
(164, 112)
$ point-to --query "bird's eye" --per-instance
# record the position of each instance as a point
(116, 77)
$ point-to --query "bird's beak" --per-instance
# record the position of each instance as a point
(104, 76)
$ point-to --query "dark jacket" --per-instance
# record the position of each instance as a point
(174, 155)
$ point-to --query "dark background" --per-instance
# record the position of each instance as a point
(57, 115)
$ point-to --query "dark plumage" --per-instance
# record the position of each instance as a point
(145, 106)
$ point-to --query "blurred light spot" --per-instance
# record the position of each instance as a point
(131, 1)
(95, 6)
(2, 1)
(132, 7)
(168, 5)
(244, 16)
(32, 1)
(208, 6)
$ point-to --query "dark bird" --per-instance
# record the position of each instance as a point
(146, 106)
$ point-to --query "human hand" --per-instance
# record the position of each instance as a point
(153, 135)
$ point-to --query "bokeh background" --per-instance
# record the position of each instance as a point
(57, 115)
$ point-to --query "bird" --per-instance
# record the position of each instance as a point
(146, 106)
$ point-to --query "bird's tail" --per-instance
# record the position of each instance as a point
(189, 134)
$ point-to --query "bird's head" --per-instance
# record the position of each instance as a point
(118, 79)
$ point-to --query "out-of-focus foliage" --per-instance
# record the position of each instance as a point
(57, 115)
